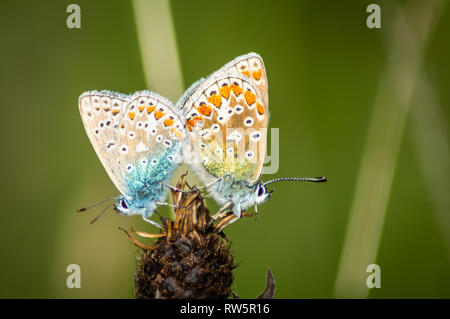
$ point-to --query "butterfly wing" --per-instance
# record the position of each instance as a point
(101, 113)
(150, 137)
(132, 136)
(249, 66)
(226, 116)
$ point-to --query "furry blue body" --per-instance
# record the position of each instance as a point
(144, 183)
(240, 193)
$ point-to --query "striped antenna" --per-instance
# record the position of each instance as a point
(79, 210)
(104, 210)
(297, 179)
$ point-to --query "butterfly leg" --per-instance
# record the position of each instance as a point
(222, 179)
(166, 204)
(237, 210)
(171, 187)
(218, 180)
(210, 183)
(152, 222)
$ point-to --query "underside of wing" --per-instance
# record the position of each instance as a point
(150, 138)
(227, 125)
(101, 113)
(250, 66)
(226, 117)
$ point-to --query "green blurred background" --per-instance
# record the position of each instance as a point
(325, 70)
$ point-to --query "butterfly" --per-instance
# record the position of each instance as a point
(219, 126)
(226, 117)
(138, 139)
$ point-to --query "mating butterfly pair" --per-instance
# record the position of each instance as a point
(222, 120)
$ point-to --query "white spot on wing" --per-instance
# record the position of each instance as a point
(215, 128)
(248, 121)
(141, 148)
(256, 136)
(235, 135)
(239, 109)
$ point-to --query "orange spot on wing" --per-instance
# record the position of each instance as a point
(216, 100)
(260, 108)
(122, 125)
(131, 115)
(159, 114)
(225, 91)
(246, 73)
(168, 122)
(257, 74)
(150, 109)
(106, 109)
(249, 97)
(204, 109)
(237, 90)
(141, 108)
(178, 134)
(191, 122)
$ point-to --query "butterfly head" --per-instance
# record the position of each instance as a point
(123, 206)
(129, 206)
(261, 194)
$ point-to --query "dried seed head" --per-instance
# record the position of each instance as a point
(191, 261)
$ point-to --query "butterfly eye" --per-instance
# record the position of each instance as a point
(124, 204)
(261, 191)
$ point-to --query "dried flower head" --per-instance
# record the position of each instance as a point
(192, 257)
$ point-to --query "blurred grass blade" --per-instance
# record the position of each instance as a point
(158, 45)
(159, 51)
(385, 132)
(431, 144)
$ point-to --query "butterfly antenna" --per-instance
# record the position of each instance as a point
(297, 179)
(79, 210)
(98, 216)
